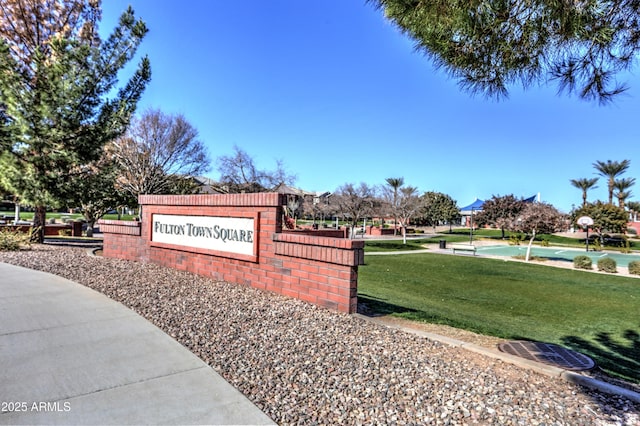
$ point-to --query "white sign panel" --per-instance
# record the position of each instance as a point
(228, 234)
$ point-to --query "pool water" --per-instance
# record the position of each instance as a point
(556, 253)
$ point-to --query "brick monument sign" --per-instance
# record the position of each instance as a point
(239, 238)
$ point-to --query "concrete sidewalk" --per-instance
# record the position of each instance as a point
(70, 355)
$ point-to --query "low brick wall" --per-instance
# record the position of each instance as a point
(334, 233)
(376, 230)
(318, 269)
(50, 230)
(122, 240)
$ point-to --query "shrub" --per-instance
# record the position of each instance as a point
(64, 232)
(626, 248)
(634, 267)
(582, 262)
(544, 241)
(531, 258)
(13, 239)
(632, 231)
(515, 239)
(607, 264)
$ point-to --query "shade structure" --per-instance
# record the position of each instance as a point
(475, 206)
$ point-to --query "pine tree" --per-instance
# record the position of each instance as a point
(56, 94)
(489, 44)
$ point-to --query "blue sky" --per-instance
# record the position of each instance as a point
(340, 96)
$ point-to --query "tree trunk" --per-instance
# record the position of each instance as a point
(404, 234)
(16, 218)
(90, 224)
(39, 220)
(529, 247)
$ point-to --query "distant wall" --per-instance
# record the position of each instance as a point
(239, 238)
(74, 228)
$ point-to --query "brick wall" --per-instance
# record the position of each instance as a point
(335, 233)
(122, 240)
(74, 228)
(317, 269)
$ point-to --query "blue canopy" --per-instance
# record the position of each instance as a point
(476, 205)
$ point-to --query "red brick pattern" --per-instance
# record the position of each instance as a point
(335, 233)
(317, 269)
(119, 227)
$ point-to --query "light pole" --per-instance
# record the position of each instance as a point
(471, 228)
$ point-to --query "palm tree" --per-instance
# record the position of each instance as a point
(395, 184)
(634, 207)
(584, 184)
(611, 170)
(622, 186)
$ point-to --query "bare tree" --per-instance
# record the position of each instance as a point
(408, 205)
(327, 206)
(355, 202)
(157, 153)
(239, 173)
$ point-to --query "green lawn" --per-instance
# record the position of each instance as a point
(596, 314)
(461, 236)
(554, 240)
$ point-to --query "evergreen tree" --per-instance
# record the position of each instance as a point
(606, 217)
(438, 207)
(95, 188)
(57, 81)
(490, 44)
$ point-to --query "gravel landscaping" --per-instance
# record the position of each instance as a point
(303, 364)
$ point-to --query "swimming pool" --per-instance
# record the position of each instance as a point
(556, 253)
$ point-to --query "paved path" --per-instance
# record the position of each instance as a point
(70, 355)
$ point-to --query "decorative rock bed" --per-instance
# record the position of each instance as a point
(302, 364)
